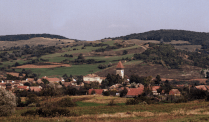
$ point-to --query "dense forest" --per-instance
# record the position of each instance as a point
(28, 36)
(195, 38)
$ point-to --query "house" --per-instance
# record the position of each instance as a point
(97, 91)
(154, 90)
(3, 85)
(201, 87)
(53, 80)
(66, 84)
(29, 79)
(92, 78)
(35, 88)
(134, 92)
(175, 92)
(23, 88)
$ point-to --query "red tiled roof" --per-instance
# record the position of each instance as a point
(66, 84)
(201, 87)
(135, 91)
(155, 88)
(30, 79)
(23, 87)
(53, 79)
(120, 65)
(97, 91)
(174, 91)
(35, 88)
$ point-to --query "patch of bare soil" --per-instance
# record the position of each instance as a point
(44, 65)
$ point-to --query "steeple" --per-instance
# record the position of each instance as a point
(120, 65)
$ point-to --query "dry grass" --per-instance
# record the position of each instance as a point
(105, 99)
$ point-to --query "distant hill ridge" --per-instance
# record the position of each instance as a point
(195, 38)
(28, 36)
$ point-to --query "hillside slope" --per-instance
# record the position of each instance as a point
(195, 38)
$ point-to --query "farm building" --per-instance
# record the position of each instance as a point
(93, 78)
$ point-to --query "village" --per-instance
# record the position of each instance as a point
(94, 84)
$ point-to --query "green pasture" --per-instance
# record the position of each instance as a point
(126, 48)
(110, 58)
(60, 71)
(52, 57)
(111, 43)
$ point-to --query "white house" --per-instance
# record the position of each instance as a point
(92, 78)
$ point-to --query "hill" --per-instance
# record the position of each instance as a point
(195, 38)
(28, 36)
(143, 57)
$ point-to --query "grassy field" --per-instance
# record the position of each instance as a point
(195, 111)
(60, 71)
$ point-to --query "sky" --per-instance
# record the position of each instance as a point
(97, 19)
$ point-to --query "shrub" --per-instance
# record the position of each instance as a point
(7, 102)
(111, 103)
(125, 52)
(66, 102)
(50, 112)
(132, 102)
(106, 93)
(123, 92)
(32, 98)
(102, 66)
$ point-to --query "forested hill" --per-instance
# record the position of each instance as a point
(168, 35)
(28, 36)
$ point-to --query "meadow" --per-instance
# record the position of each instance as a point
(92, 110)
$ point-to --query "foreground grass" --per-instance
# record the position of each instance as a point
(96, 111)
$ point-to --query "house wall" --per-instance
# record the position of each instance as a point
(120, 72)
(92, 79)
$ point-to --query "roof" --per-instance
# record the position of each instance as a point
(30, 79)
(155, 88)
(91, 75)
(23, 87)
(120, 65)
(174, 91)
(201, 87)
(35, 88)
(66, 84)
(53, 79)
(135, 91)
(97, 91)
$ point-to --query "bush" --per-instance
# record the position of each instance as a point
(66, 102)
(102, 66)
(50, 112)
(32, 98)
(132, 102)
(125, 52)
(123, 92)
(111, 103)
(7, 102)
(106, 93)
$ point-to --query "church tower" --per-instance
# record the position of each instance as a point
(120, 69)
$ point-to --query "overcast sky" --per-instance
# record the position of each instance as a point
(97, 19)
